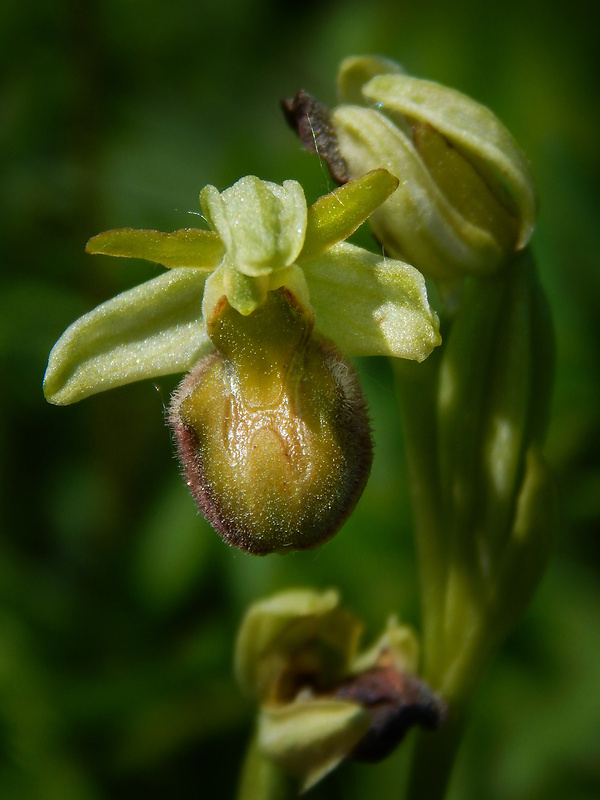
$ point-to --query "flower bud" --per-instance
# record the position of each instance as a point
(295, 638)
(466, 199)
(321, 701)
(272, 429)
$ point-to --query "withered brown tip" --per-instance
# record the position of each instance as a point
(311, 120)
(396, 702)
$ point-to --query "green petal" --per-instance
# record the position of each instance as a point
(472, 128)
(262, 224)
(311, 737)
(338, 214)
(153, 329)
(370, 305)
(355, 71)
(189, 247)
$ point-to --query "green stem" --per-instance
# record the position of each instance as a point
(433, 758)
(262, 778)
(417, 393)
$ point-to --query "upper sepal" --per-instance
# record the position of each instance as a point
(261, 224)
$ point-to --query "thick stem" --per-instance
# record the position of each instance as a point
(262, 778)
(433, 758)
(416, 393)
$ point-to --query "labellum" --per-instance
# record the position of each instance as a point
(272, 429)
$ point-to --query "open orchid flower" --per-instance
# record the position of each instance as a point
(270, 423)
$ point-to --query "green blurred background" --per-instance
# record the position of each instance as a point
(118, 604)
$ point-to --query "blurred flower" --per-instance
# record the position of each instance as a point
(320, 700)
(270, 423)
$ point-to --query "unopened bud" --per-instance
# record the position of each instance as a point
(466, 199)
(321, 700)
(272, 429)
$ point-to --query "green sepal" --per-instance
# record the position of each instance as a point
(189, 247)
(338, 214)
(418, 223)
(311, 737)
(356, 71)
(371, 305)
(472, 128)
(296, 632)
(153, 329)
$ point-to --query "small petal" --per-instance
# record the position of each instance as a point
(336, 215)
(189, 247)
(243, 293)
(262, 224)
(311, 737)
(246, 294)
(153, 329)
(371, 305)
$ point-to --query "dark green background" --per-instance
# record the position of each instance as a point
(118, 604)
